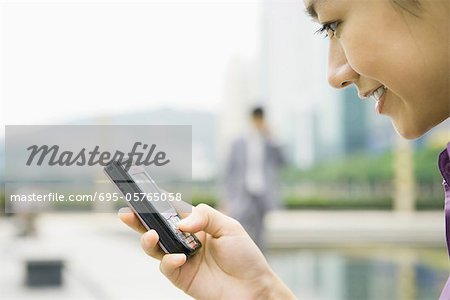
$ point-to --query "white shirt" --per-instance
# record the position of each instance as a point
(254, 177)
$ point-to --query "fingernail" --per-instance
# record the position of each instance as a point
(124, 210)
(178, 257)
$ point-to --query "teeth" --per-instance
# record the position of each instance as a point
(378, 93)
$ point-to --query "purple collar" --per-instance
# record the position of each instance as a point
(444, 167)
(444, 164)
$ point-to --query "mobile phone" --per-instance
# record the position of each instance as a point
(158, 215)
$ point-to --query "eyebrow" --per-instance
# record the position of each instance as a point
(311, 10)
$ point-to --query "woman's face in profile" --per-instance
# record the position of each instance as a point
(401, 49)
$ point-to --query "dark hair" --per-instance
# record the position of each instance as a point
(258, 112)
(411, 6)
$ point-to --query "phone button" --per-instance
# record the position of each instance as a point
(189, 239)
(174, 220)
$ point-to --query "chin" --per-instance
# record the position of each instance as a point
(413, 124)
(409, 131)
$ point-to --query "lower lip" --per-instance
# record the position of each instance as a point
(380, 103)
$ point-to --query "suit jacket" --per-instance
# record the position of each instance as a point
(236, 194)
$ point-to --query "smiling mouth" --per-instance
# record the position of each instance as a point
(378, 95)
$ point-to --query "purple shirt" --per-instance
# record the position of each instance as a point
(444, 167)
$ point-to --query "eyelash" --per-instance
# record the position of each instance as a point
(327, 28)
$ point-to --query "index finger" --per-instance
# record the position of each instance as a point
(127, 216)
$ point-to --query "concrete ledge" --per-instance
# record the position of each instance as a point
(306, 229)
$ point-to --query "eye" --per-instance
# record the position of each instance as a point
(329, 29)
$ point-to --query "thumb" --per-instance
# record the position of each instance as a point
(207, 219)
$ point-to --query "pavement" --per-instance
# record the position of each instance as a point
(103, 260)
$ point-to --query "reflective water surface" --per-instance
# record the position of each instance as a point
(382, 273)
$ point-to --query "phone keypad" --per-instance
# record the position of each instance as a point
(174, 220)
(186, 236)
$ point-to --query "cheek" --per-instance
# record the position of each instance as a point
(381, 56)
(361, 49)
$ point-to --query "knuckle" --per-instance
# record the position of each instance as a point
(202, 208)
(202, 213)
(235, 224)
(164, 266)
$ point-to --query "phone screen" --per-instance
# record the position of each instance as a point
(148, 187)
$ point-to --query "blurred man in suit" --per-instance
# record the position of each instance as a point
(251, 176)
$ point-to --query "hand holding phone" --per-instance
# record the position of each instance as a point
(138, 188)
(228, 266)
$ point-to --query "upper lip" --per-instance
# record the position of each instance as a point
(364, 95)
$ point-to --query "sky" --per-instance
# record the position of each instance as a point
(63, 60)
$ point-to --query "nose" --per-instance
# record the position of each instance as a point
(340, 73)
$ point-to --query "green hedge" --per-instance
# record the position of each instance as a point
(365, 168)
(198, 198)
(292, 202)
